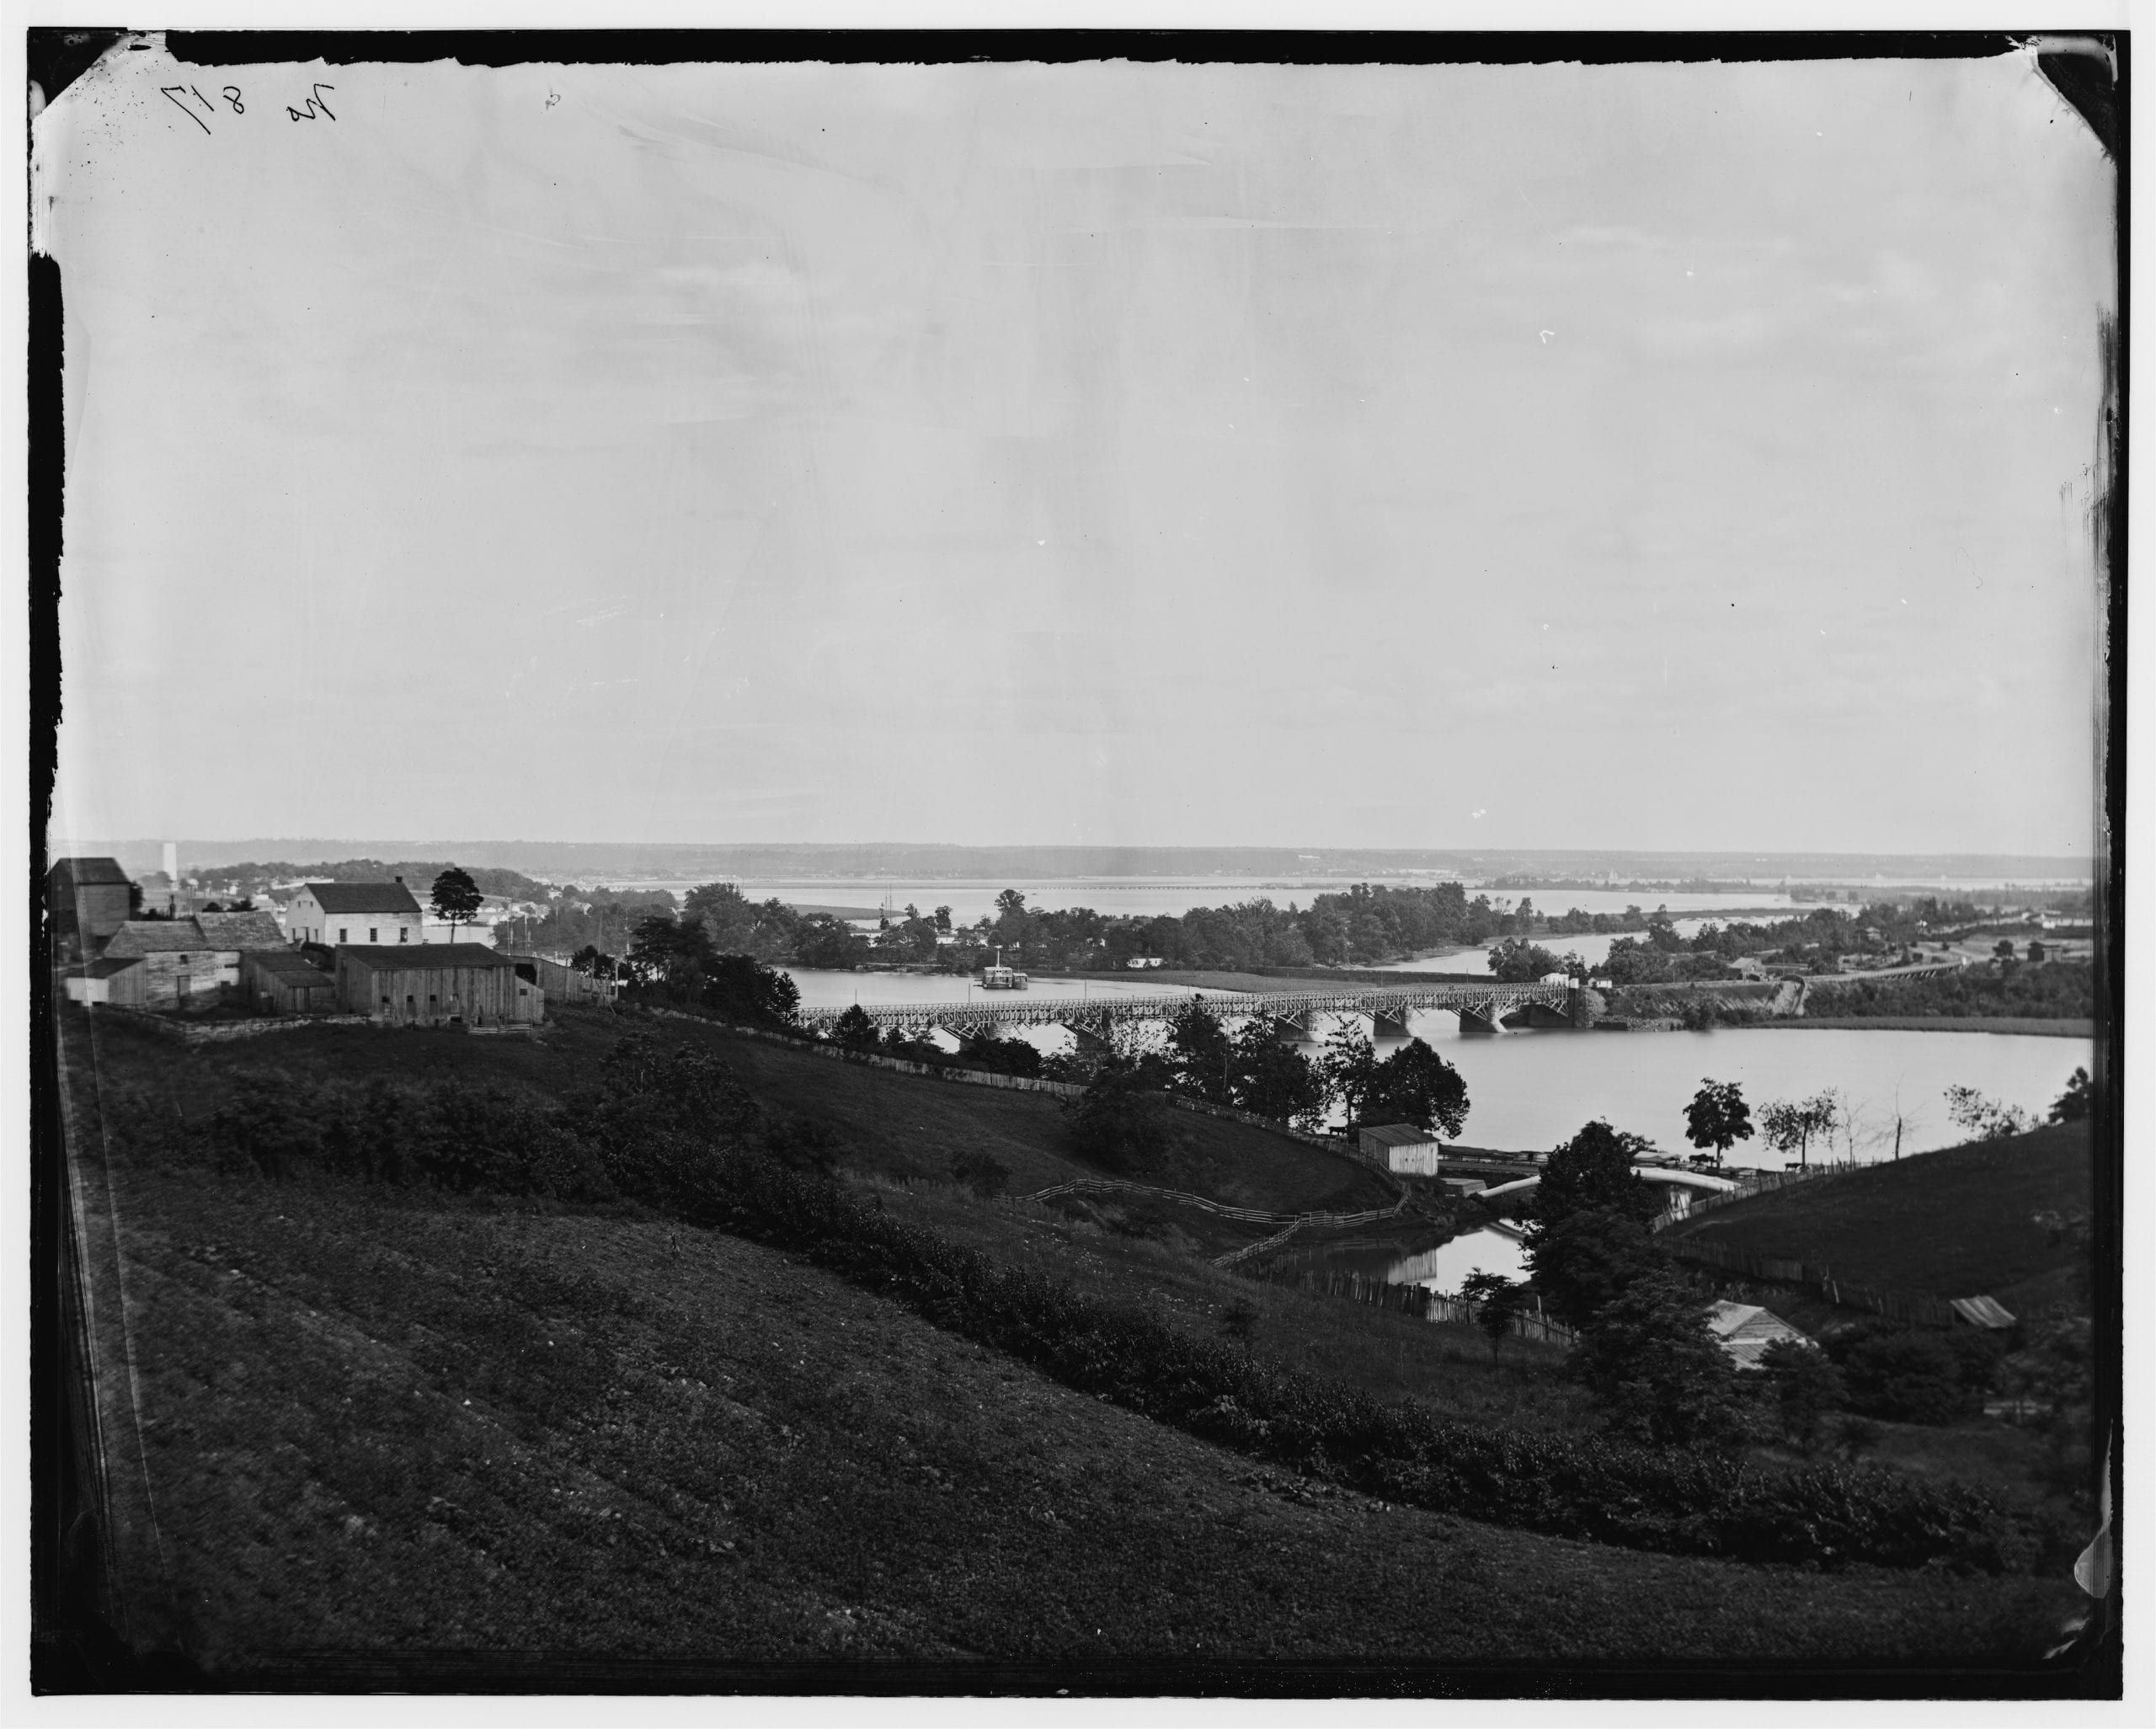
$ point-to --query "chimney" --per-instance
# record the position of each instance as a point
(400, 882)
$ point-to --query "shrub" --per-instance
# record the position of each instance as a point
(1119, 1122)
(1903, 1375)
(987, 1177)
(1805, 1385)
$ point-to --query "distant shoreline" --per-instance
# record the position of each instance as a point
(2023, 1024)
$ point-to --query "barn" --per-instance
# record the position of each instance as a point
(278, 982)
(1401, 1148)
(172, 963)
(1744, 1331)
(89, 899)
(450, 983)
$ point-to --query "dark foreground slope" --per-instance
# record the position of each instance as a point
(373, 1419)
(1952, 1223)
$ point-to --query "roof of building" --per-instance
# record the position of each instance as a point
(82, 873)
(287, 964)
(1981, 1311)
(242, 931)
(106, 968)
(141, 936)
(362, 897)
(1745, 1330)
(1398, 1134)
(425, 957)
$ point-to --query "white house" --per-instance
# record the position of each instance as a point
(375, 914)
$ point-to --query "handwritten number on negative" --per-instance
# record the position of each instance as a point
(313, 103)
(173, 93)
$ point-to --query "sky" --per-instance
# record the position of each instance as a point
(1657, 456)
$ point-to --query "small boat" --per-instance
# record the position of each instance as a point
(999, 977)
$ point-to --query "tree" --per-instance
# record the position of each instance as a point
(1579, 1263)
(1985, 1119)
(823, 941)
(743, 989)
(456, 899)
(1594, 1169)
(1516, 961)
(2004, 948)
(1805, 1386)
(943, 920)
(1199, 1047)
(1274, 1080)
(854, 1030)
(1347, 1071)
(1416, 1085)
(1499, 1301)
(724, 912)
(1717, 1117)
(2071, 1106)
(1791, 1124)
(1656, 1368)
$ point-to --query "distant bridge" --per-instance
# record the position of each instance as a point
(1483, 1006)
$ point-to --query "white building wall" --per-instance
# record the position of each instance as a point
(305, 921)
(1413, 1160)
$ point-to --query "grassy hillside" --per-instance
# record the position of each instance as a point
(1953, 1223)
(382, 1418)
(383, 1421)
(886, 1123)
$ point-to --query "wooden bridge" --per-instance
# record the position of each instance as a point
(1482, 1007)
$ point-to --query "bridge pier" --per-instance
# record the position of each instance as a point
(1384, 1026)
(1292, 1029)
(1482, 1020)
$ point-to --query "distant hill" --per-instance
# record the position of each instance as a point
(1953, 1223)
(585, 860)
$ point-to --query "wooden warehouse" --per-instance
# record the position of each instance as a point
(450, 984)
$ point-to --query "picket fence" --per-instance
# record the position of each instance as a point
(1422, 1304)
(1758, 1183)
(1895, 1306)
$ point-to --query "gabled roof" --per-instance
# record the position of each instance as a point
(82, 873)
(362, 897)
(1398, 1134)
(286, 964)
(1981, 1311)
(421, 957)
(141, 936)
(243, 931)
(106, 968)
(1745, 1330)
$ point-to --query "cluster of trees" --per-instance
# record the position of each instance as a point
(674, 960)
(1120, 1121)
(2046, 990)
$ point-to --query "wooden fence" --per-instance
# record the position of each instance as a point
(1759, 1183)
(1896, 1305)
(1422, 1304)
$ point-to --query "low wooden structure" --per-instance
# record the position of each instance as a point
(1401, 1148)
(278, 982)
(450, 984)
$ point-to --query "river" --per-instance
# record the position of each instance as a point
(1529, 1091)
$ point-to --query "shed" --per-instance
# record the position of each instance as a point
(449, 984)
(93, 982)
(89, 897)
(1400, 1148)
(277, 981)
(1744, 1331)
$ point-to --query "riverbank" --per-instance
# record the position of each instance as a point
(1938, 1023)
